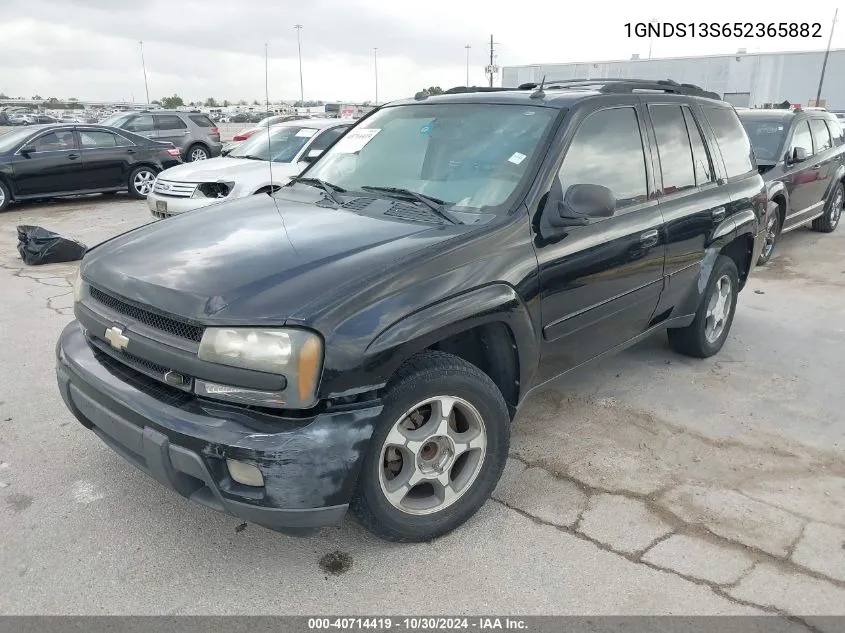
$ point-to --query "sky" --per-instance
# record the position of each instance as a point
(89, 49)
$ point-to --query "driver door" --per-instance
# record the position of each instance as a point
(53, 167)
(600, 282)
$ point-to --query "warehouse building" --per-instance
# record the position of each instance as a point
(743, 79)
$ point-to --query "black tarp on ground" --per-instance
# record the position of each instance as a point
(37, 245)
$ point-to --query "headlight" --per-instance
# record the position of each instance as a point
(296, 354)
(77, 286)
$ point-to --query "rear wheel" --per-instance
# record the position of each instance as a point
(708, 331)
(437, 452)
(141, 181)
(830, 220)
(197, 152)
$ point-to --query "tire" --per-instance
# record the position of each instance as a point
(5, 196)
(196, 152)
(773, 228)
(700, 338)
(412, 396)
(141, 181)
(828, 222)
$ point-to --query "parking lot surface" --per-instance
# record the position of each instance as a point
(648, 483)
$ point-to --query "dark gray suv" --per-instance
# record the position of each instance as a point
(194, 133)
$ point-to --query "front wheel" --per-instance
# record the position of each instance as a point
(5, 196)
(141, 182)
(830, 220)
(437, 452)
(708, 331)
(772, 234)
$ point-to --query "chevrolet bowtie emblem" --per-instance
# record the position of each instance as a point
(114, 335)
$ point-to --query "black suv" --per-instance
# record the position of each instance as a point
(364, 336)
(801, 154)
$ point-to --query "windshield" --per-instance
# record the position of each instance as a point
(116, 120)
(10, 140)
(471, 156)
(766, 138)
(285, 144)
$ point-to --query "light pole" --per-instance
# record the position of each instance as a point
(144, 67)
(826, 55)
(298, 28)
(467, 47)
(375, 68)
(650, 38)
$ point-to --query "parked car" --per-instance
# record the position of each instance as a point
(801, 154)
(62, 160)
(246, 170)
(44, 118)
(240, 117)
(364, 337)
(22, 119)
(196, 136)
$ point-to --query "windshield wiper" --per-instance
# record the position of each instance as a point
(328, 187)
(247, 156)
(438, 206)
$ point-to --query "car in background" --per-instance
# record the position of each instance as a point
(247, 170)
(42, 161)
(195, 134)
(266, 121)
(22, 119)
(801, 155)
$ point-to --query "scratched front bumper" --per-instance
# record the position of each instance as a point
(310, 466)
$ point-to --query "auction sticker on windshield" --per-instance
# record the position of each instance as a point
(306, 132)
(355, 140)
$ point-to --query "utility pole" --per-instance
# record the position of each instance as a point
(492, 69)
(144, 67)
(826, 55)
(467, 47)
(375, 67)
(650, 38)
(298, 28)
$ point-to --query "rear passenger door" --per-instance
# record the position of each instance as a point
(599, 282)
(105, 158)
(824, 162)
(171, 128)
(692, 200)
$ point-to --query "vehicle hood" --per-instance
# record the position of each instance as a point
(248, 262)
(225, 168)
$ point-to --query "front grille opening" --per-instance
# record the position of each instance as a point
(158, 390)
(157, 321)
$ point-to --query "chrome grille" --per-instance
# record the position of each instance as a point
(152, 319)
(174, 189)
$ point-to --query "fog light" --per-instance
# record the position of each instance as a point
(245, 474)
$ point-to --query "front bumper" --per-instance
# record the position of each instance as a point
(310, 466)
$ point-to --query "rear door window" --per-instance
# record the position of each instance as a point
(835, 131)
(700, 156)
(732, 139)
(91, 139)
(170, 122)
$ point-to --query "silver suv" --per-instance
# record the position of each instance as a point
(194, 133)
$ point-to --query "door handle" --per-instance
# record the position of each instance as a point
(816, 167)
(72, 156)
(718, 214)
(649, 238)
(130, 151)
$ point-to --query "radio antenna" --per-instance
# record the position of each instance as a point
(267, 113)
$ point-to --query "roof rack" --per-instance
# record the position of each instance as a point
(622, 85)
(464, 89)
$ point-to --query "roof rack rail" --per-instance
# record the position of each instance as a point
(464, 89)
(622, 84)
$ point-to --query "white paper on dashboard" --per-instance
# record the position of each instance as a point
(355, 140)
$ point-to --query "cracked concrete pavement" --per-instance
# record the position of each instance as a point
(648, 483)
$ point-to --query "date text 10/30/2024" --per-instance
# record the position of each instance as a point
(418, 623)
(723, 29)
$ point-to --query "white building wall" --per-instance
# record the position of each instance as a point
(766, 77)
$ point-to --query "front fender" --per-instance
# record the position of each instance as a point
(393, 345)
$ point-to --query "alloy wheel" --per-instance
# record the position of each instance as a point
(143, 182)
(718, 309)
(198, 153)
(432, 455)
(836, 209)
(772, 228)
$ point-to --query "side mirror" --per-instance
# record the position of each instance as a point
(799, 155)
(583, 202)
(312, 156)
(27, 150)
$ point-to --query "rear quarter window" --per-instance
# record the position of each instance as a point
(732, 140)
(170, 122)
(201, 120)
